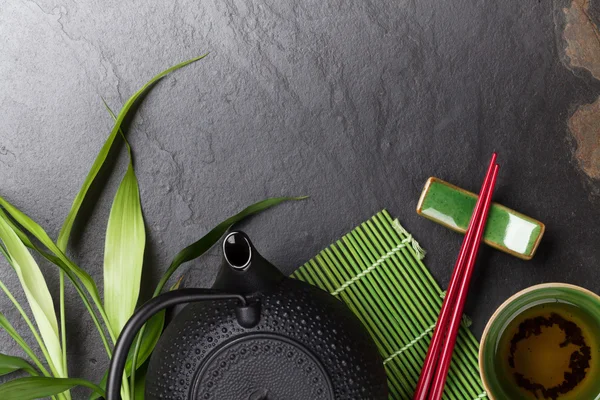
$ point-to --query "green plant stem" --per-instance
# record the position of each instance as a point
(26, 348)
(106, 323)
(19, 340)
(62, 396)
(25, 317)
(125, 391)
(68, 267)
(136, 350)
(63, 328)
(87, 304)
(63, 324)
(61, 264)
(55, 260)
(34, 331)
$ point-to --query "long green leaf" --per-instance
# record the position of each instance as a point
(36, 387)
(63, 318)
(12, 332)
(75, 274)
(65, 232)
(117, 254)
(35, 231)
(24, 315)
(34, 331)
(10, 364)
(37, 294)
(24, 238)
(12, 298)
(38, 232)
(124, 252)
(198, 248)
(10, 329)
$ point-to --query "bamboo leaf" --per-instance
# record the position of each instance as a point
(17, 305)
(65, 232)
(124, 253)
(75, 274)
(24, 238)
(10, 364)
(37, 294)
(38, 232)
(36, 387)
(126, 218)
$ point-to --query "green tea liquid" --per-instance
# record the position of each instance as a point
(550, 351)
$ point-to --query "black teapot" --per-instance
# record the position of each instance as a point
(256, 335)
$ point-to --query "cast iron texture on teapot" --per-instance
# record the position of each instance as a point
(255, 335)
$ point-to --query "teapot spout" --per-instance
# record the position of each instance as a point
(243, 269)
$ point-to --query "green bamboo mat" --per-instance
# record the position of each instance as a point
(377, 271)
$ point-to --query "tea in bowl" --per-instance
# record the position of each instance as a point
(543, 343)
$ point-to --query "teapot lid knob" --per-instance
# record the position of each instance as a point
(244, 270)
(237, 250)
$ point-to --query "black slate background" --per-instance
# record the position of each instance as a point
(355, 103)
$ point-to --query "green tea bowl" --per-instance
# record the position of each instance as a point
(500, 381)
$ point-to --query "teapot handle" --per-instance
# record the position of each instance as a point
(247, 314)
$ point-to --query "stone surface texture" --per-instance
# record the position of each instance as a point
(355, 103)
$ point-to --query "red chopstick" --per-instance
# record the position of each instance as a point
(446, 354)
(439, 354)
(440, 328)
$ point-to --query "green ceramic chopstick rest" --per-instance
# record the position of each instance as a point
(506, 230)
